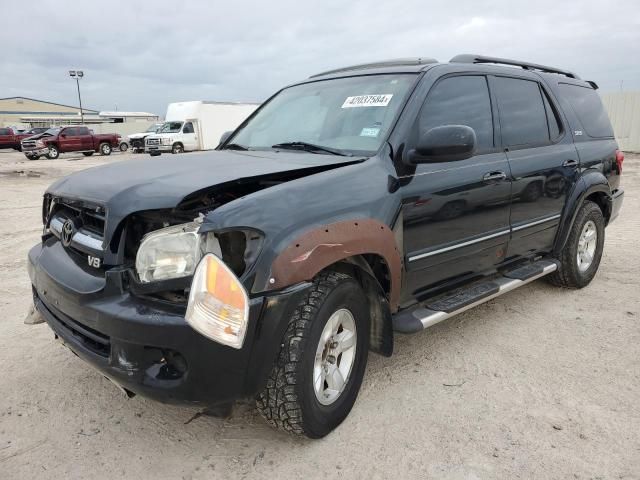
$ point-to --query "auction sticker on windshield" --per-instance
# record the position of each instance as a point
(367, 101)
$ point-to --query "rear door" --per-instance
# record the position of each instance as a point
(85, 139)
(456, 214)
(542, 158)
(189, 135)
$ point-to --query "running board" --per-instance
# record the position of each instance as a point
(429, 313)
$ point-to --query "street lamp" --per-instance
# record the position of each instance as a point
(78, 74)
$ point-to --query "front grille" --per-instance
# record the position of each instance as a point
(87, 337)
(153, 141)
(88, 226)
(28, 144)
(90, 219)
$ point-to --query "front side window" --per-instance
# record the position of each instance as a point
(70, 132)
(460, 100)
(171, 127)
(523, 119)
(351, 115)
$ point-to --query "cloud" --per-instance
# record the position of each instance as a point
(142, 55)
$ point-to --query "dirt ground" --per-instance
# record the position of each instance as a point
(540, 383)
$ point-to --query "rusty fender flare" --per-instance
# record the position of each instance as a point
(316, 249)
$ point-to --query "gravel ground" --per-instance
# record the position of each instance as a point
(540, 383)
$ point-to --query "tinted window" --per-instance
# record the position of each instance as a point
(523, 119)
(589, 109)
(70, 132)
(82, 131)
(553, 119)
(5, 131)
(188, 128)
(460, 101)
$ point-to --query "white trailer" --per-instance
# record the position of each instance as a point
(197, 125)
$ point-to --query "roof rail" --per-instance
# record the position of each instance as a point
(385, 63)
(471, 58)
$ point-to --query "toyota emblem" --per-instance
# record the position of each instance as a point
(68, 229)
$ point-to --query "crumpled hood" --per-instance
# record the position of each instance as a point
(160, 182)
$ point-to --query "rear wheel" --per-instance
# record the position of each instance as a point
(53, 152)
(177, 148)
(124, 146)
(580, 258)
(315, 380)
(105, 149)
(87, 154)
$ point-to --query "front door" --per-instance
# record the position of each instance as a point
(189, 135)
(543, 161)
(456, 214)
(69, 140)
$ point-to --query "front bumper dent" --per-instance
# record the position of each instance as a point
(146, 347)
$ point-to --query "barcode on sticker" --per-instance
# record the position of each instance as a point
(367, 101)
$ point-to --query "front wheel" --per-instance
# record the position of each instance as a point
(177, 148)
(580, 258)
(105, 149)
(53, 152)
(315, 380)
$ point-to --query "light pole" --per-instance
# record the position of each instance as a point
(78, 74)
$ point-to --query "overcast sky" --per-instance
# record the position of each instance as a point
(142, 55)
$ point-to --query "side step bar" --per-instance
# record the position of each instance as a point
(431, 312)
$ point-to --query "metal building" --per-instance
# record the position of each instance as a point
(16, 111)
(624, 112)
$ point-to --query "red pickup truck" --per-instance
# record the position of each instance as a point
(55, 141)
(9, 138)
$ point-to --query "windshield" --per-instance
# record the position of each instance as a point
(52, 131)
(154, 128)
(170, 127)
(350, 115)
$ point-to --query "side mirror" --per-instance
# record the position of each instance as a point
(63, 135)
(225, 136)
(447, 143)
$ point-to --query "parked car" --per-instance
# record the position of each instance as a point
(10, 138)
(272, 266)
(136, 140)
(55, 141)
(198, 125)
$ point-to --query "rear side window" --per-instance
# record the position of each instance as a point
(589, 109)
(523, 118)
(5, 131)
(82, 131)
(461, 100)
(188, 128)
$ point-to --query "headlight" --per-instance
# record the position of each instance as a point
(166, 141)
(218, 304)
(171, 252)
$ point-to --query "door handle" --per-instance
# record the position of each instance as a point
(494, 176)
(570, 163)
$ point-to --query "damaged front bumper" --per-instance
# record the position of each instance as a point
(146, 346)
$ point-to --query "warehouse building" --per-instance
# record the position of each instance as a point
(29, 112)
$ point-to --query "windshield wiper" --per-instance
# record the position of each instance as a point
(235, 146)
(308, 147)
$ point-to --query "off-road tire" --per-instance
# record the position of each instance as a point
(569, 275)
(53, 152)
(105, 149)
(289, 402)
(87, 154)
(177, 148)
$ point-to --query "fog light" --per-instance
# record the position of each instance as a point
(218, 304)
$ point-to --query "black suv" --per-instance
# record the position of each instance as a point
(360, 202)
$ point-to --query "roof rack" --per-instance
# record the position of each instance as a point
(470, 58)
(385, 63)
